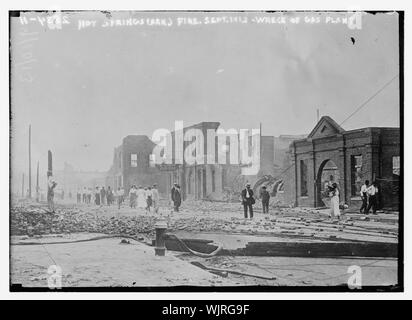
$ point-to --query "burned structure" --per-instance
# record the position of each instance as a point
(332, 154)
(295, 168)
(133, 163)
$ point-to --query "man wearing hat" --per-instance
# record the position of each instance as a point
(265, 196)
(176, 197)
(248, 200)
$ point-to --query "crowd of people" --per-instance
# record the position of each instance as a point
(145, 198)
(148, 198)
(100, 196)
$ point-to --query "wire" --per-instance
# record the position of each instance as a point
(369, 99)
(48, 253)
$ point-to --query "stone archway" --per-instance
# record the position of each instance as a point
(328, 173)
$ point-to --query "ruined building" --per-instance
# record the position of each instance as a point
(133, 164)
(330, 153)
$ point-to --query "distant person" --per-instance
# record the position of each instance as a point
(109, 196)
(149, 198)
(265, 196)
(89, 195)
(334, 201)
(141, 198)
(248, 201)
(79, 195)
(176, 197)
(364, 196)
(155, 198)
(103, 195)
(84, 195)
(132, 196)
(119, 195)
(50, 193)
(373, 198)
(97, 197)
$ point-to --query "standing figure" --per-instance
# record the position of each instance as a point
(89, 195)
(103, 195)
(79, 195)
(364, 196)
(141, 198)
(119, 194)
(373, 198)
(132, 196)
(247, 200)
(84, 195)
(176, 197)
(265, 196)
(109, 196)
(334, 201)
(50, 193)
(97, 197)
(155, 198)
(149, 197)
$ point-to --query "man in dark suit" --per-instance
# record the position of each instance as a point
(265, 196)
(176, 197)
(248, 200)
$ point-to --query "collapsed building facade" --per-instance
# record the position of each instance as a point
(133, 164)
(295, 168)
(331, 154)
(217, 180)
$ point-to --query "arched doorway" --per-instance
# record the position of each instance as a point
(328, 174)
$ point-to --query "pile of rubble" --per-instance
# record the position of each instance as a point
(32, 220)
(36, 220)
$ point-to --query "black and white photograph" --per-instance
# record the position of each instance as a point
(206, 151)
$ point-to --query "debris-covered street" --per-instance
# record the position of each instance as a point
(76, 237)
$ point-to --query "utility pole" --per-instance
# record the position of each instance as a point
(49, 164)
(317, 115)
(22, 187)
(260, 143)
(37, 183)
(29, 195)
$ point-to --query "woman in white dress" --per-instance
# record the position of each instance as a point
(141, 198)
(132, 196)
(334, 201)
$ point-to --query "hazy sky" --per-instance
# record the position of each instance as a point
(84, 90)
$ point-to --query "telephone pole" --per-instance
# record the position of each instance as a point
(49, 164)
(37, 183)
(29, 195)
(22, 187)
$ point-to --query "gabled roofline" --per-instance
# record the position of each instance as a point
(327, 119)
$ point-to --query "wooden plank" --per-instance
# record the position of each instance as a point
(323, 249)
(199, 245)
